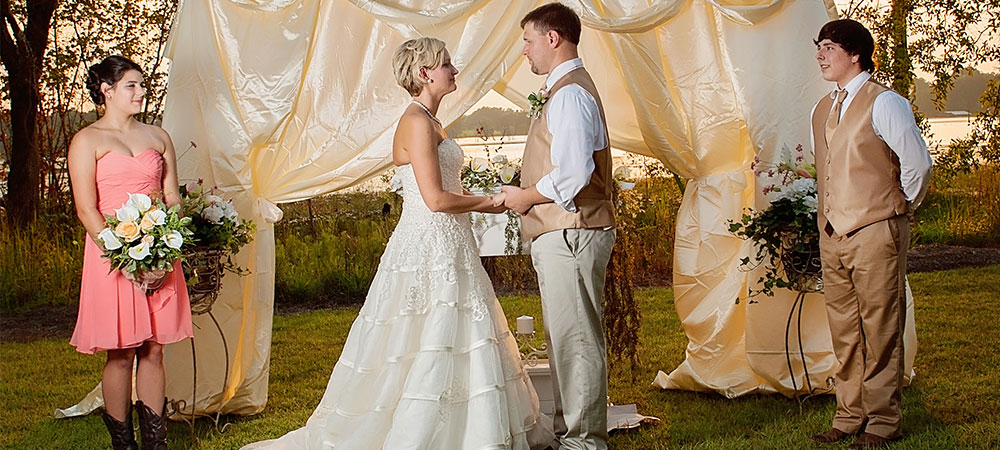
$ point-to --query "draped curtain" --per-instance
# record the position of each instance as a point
(277, 101)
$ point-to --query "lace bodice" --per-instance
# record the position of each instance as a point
(450, 157)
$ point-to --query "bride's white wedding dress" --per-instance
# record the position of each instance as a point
(430, 362)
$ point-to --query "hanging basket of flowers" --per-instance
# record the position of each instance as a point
(219, 233)
(785, 235)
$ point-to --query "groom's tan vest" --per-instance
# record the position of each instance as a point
(857, 174)
(594, 208)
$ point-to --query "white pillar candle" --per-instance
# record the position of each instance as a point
(525, 325)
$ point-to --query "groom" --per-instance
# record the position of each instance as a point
(565, 201)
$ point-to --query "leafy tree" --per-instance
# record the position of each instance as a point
(948, 39)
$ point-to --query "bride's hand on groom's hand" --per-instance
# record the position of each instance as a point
(514, 201)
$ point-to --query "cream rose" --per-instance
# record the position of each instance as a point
(146, 223)
(128, 230)
(148, 240)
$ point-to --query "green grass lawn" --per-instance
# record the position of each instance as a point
(954, 402)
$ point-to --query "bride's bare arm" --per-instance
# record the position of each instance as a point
(418, 138)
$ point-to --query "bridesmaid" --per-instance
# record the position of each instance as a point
(109, 159)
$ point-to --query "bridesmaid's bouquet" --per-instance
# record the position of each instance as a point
(143, 238)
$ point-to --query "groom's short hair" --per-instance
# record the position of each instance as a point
(851, 36)
(555, 16)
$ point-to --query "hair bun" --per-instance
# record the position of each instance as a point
(94, 84)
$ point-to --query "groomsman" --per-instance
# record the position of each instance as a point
(872, 171)
(565, 200)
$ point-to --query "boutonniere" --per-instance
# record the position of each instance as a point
(537, 100)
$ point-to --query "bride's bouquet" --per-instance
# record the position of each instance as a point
(143, 239)
(785, 233)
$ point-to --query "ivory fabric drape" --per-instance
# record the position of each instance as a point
(281, 100)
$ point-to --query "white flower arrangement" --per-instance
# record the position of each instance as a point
(144, 235)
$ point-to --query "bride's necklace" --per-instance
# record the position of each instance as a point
(428, 111)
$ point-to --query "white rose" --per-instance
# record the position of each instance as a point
(500, 159)
(127, 213)
(111, 241)
(480, 165)
(139, 252)
(213, 214)
(173, 239)
(212, 198)
(141, 202)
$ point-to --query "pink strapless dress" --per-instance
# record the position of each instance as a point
(114, 313)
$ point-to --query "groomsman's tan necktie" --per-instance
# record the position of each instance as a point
(834, 119)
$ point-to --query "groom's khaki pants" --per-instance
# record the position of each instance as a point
(571, 265)
(863, 281)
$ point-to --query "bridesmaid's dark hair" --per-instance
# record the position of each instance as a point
(110, 70)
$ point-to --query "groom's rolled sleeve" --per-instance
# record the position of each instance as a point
(577, 131)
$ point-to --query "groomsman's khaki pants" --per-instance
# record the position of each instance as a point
(863, 280)
(571, 265)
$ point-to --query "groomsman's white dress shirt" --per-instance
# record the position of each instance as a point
(577, 132)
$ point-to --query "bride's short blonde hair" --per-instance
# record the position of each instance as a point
(411, 56)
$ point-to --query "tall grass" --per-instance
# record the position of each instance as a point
(964, 210)
(327, 249)
(41, 265)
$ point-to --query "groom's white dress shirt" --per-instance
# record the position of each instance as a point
(892, 120)
(577, 129)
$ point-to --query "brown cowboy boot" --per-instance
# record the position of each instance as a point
(152, 426)
(122, 433)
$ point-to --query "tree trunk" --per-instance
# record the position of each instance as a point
(22, 52)
(902, 67)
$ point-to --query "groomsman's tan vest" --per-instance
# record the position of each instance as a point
(857, 173)
(594, 207)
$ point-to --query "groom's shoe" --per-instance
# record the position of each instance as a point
(831, 436)
(868, 440)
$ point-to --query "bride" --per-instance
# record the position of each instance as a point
(430, 362)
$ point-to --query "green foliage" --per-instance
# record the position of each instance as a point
(946, 38)
(327, 249)
(41, 265)
(784, 234)
(964, 210)
(982, 147)
(786, 226)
